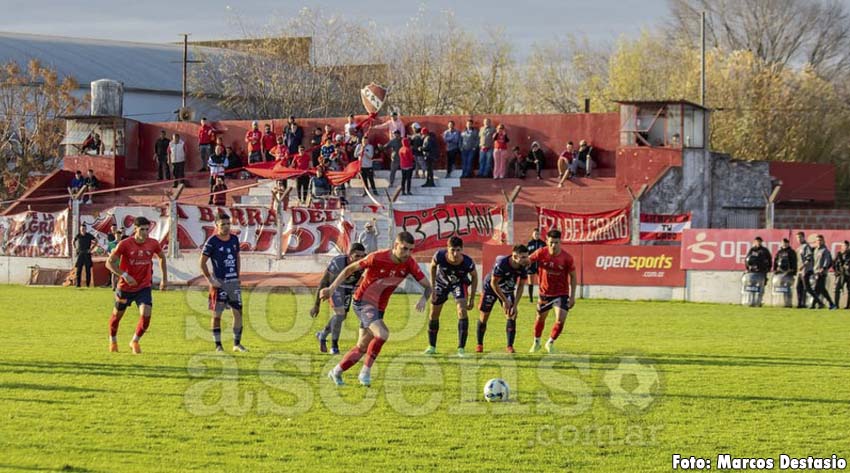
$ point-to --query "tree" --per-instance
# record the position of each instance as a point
(30, 132)
(786, 32)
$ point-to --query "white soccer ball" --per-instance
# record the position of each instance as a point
(496, 390)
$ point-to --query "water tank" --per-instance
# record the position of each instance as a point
(107, 98)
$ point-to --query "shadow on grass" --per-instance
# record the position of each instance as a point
(4, 466)
(49, 387)
(122, 371)
(721, 360)
(745, 398)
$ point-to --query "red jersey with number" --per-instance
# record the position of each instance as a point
(137, 261)
(554, 271)
(382, 276)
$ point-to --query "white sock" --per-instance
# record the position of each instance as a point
(136, 338)
(536, 339)
(337, 371)
(551, 341)
(113, 339)
(365, 371)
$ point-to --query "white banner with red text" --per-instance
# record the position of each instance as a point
(655, 227)
(432, 228)
(35, 234)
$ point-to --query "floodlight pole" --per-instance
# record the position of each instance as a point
(173, 219)
(391, 220)
(509, 210)
(634, 224)
(702, 60)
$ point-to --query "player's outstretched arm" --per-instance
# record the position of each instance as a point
(325, 282)
(470, 302)
(423, 301)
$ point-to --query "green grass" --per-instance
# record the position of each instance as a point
(749, 382)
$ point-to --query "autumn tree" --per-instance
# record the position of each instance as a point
(31, 100)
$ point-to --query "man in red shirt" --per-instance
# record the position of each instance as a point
(136, 272)
(206, 138)
(385, 270)
(268, 143)
(302, 161)
(557, 269)
(253, 141)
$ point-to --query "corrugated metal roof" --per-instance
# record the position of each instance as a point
(141, 66)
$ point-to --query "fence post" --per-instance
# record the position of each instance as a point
(173, 241)
(509, 211)
(770, 208)
(280, 197)
(391, 219)
(634, 223)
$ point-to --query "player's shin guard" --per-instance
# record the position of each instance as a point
(114, 320)
(538, 327)
(462, 332)
(142, 327)
(216, 332)
(433, 329)
(237, 335)
(556, 330)
(482, 329)
(350, 359)
(510, 331)
(373, 351)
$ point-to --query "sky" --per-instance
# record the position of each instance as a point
(160, 21)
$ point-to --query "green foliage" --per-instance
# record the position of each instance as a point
(751, 382)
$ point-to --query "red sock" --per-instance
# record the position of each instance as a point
(350, 358)
(373, 351)
(556, 330)
(113, 325)
(142, 326)
(538, 327)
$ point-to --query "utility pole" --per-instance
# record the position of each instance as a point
(702, 59)
(186, 63)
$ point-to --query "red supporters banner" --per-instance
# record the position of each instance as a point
(654, 227)
(610, 265)
(431, 228)
(604, 227)
(35, 234)
(316, 231)
(724, 250)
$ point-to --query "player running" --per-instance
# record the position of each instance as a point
(340, 300)
(385, 270)
(135, 272)
(452, 273)
(223, 250)
(501, 284)
(556, 271)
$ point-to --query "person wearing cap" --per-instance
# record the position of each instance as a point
(253, 141)
(293, 135)
(416, 140)
(369, 236)
(392, 125)
(485, 136)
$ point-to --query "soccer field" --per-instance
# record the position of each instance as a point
(633, 383)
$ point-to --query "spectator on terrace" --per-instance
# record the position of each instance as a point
(316, 145)
(583, 159)
(92, 144)
(177, 158)
(452, 139)
(485, 144)
(327, 150)
(416, 139)
(350, 128)
(301, 161)
(536, 159)
(293, 135)
(160, 155)
(564, 161)
(268, 142)
(517, 163)
(220, 190)
(468, 148)
(217, 163)
(407, 163)
(392, 125)
(394, 145)
(365, 152)
(279, 151)
(431, 151)
(92, 184)
(320, 184)
(234, 161)
(500, 152)
(206, 138)
(369, 236)
(328, 133)
(77, 182)
(253, 141)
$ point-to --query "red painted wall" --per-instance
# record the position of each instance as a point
(552, 131)
(806, 182)
(642, 165)
(109, 170)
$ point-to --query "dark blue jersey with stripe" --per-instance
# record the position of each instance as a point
(508, 275)
(448, 274)
(224, 256)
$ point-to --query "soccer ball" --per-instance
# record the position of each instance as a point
(496, 390)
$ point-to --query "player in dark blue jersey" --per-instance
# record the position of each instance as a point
(222, 249)
(340, 300)
(504, 284)
(453, 274)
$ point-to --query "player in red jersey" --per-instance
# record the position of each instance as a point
(557, 269)
(135, 272)
(385, 270)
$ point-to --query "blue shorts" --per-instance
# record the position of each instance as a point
(229, 295)
(367, 313)
(124, 299)
(341, 299)
(545, 303)
(489, 299)
(441, 293)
